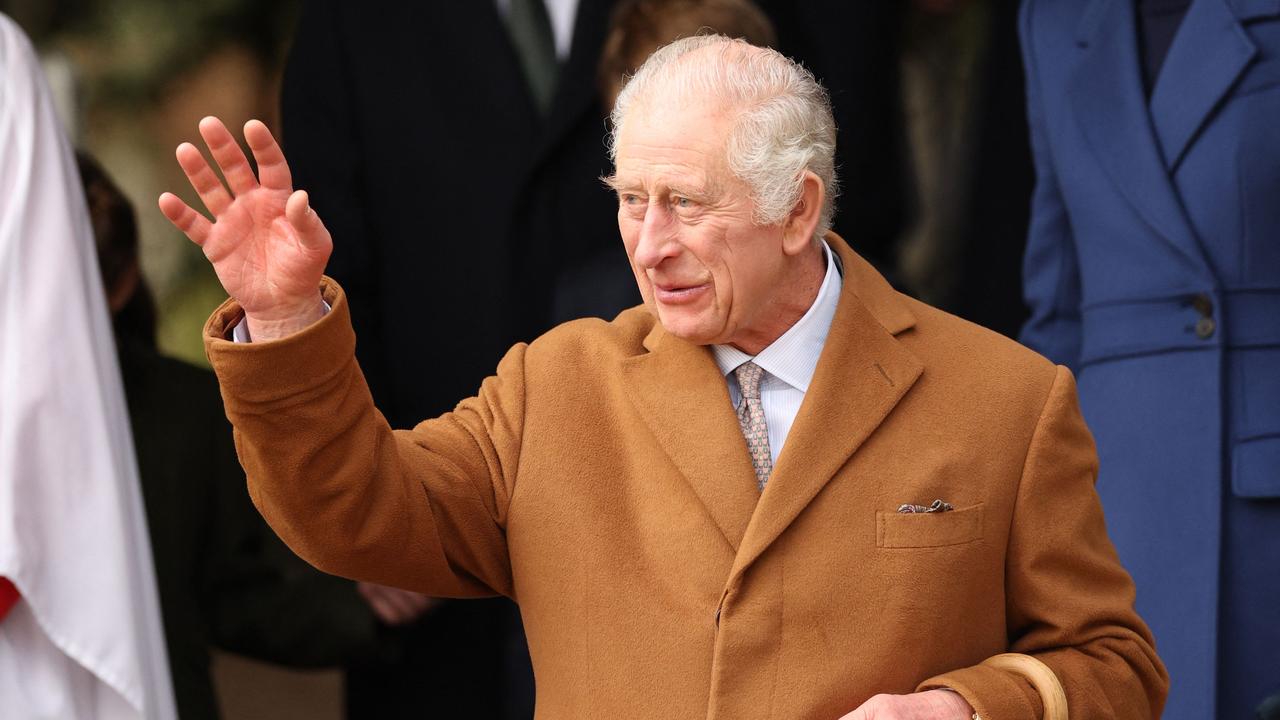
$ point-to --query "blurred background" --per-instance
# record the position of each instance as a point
(132, 78)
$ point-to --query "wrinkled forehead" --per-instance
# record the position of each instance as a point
(675, 127)
(681, 147)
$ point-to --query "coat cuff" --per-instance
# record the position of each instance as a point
(994, 694)
(276, 369)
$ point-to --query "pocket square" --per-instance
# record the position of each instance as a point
(937, 507)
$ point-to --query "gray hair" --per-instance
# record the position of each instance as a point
(783, 122)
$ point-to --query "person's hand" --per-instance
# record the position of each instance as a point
(394, 606)
(927, 705)
(266, 244)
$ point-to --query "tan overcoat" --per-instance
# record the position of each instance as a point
(600, 479)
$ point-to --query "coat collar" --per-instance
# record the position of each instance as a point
(682, 397)
(1105, 92)
(861, 376)
(1208, 54)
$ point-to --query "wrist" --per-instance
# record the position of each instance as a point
(282, 322)
(963, 705)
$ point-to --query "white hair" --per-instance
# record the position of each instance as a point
(783, 124)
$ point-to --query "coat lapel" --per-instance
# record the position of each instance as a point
(861, 376)
(1208, 54)
(1106, 94)
(681, 395)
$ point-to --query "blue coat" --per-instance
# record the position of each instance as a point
(1153, 271)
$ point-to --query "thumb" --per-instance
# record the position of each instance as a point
(305, 221)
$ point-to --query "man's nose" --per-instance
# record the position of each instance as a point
(657, 240)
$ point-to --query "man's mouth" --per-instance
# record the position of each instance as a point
(679, 293)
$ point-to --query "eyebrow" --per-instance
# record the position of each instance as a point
(613, 183)
(701, 195)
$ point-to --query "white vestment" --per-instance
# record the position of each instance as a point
(85, 640)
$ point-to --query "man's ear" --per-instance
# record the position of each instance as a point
(798, 228)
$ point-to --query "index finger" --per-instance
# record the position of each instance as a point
(273, 171)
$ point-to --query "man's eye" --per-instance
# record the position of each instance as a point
(629, 199)
(682, 202)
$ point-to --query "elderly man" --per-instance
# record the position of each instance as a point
(722, 503)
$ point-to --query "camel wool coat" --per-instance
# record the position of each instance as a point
(600, 479)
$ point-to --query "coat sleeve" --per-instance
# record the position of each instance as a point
(423, 509)
(259, 599)
(1069, 602)
(1050, 272)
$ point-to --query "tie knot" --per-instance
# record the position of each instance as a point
(749, 375)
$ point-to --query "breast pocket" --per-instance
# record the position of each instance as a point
(926, 530)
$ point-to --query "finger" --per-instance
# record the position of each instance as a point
(203, 179)
(384, 610)
(409, 602)
(298, 211)
(227, 153)
(418, 606)
(194, 225)
(421, 603)
(401, 611)
(273, 171)
(374, 598)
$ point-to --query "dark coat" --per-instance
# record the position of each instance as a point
(411, 127)
(224, 579)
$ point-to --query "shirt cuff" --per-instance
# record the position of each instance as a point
(240, 333)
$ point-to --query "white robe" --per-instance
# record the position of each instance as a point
(85, 641)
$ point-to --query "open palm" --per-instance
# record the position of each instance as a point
(266, 245)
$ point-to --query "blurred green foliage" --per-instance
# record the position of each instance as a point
(144, 70)
(139, 46)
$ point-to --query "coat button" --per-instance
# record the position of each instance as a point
(1205, 327)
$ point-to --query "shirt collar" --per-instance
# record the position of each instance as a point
(793, 357)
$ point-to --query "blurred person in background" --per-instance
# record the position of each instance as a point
(638, 27)
(80, 627)
(225, 580)
(1153, 270)
(454, 112)
(971, 161)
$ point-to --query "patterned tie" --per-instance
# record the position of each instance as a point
(751, 418)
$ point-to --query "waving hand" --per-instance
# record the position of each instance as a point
(266, 244)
